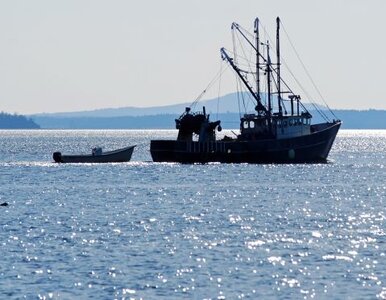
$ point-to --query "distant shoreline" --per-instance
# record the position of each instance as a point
(372, 119)
(15, 121)
(162, 117)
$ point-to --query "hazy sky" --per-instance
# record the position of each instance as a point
(83, 54)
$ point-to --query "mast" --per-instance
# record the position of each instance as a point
(269, 71)
(278, 65)
(269, 82)
(257, 57)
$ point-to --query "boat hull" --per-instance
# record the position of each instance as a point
(311, 148)
(120, 155)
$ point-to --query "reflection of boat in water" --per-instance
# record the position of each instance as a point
(97, 156)
(279, 131)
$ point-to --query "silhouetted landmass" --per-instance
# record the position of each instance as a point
(352, 119)
(224, 108)
(8, 121)
(224, 104)
(229, 103)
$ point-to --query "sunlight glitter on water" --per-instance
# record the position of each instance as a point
(149, 230)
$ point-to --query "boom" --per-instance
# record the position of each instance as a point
(260, 106)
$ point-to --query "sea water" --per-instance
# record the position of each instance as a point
(144, 230)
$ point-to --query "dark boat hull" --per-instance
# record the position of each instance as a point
(120, 155)
(311, 148)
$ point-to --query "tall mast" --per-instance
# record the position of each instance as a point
(269, 71)
(257, 57)
(269, 81)
(278, 65)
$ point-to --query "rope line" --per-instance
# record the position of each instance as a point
(306, 71)
(215, 78)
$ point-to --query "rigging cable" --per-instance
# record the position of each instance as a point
(238, 84)
(235, 57)
(307, 73)
(324, 116)
(245, 58)
(219, 90)
(238, 95)
(215, 78)
(249, 67)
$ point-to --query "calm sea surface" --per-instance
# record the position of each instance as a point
(217, 231)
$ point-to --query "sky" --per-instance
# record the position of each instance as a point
(73, 55)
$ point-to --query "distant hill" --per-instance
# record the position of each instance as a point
(163, 116)
(228, 104)
(8, 121)
(370, 119)
(225, 104)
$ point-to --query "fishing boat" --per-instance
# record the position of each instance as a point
(279, 130)
(97, 156)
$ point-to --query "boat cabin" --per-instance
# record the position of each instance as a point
(291, 126)
(253, 126)
(256, 127)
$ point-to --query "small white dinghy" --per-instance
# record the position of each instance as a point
(97, 156)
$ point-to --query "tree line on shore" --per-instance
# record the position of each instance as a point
(16, 121)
